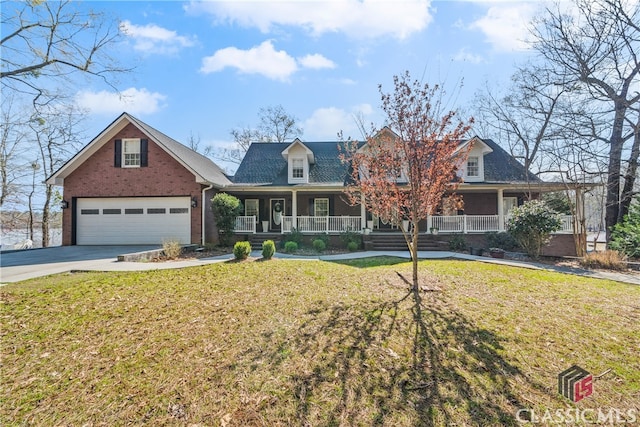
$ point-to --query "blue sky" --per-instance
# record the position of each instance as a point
(203, 68)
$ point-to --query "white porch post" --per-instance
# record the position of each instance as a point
(363, 213)
(294, 209)
(500, 209)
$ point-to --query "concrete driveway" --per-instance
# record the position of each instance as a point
(27, 264)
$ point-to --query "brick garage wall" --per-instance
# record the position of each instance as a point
(98, 177)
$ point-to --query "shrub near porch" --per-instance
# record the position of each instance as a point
(311, 343)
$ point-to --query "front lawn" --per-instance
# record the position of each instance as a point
(312, 343)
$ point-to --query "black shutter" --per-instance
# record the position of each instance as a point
(312, 211)
(144, 153)
(117, 154)
(331, 206)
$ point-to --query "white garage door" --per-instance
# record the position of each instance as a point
(133, 220)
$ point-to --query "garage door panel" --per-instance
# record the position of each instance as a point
(144, 220)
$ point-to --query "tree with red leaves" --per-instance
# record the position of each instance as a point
(404, 170)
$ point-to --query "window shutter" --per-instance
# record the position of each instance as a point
(144, 153)
(312, 207)
(117, 154)
(331, 206)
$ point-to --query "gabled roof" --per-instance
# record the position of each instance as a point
(502, 167)
(264, 165)
(476, 142)
(297, 142)
(203, 168)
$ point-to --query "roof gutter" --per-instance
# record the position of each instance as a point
(204, 190)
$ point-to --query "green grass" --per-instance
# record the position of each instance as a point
(311, 343)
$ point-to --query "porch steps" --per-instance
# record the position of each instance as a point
(257, 239)
(395, 242)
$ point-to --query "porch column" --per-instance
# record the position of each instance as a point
(363, 213)
(294, 209)
(500, 209)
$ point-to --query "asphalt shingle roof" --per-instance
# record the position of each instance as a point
(264, 165)
(502, 167)
(199, 164)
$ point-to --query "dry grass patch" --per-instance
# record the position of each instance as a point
(608, 260)
(311, 343)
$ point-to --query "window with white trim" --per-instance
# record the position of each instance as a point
(130, 153)
(251, 208)
(321, 207)
(473, 166)
(297, 168)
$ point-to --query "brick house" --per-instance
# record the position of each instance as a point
(134, 185)
(300, 185)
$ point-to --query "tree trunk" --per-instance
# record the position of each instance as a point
(30, 206)
(46, 209)
(613, 172)
(579, 224)
(630, 176)
(414, 255)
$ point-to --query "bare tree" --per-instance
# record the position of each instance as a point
(44, 44)
(56, 134)
(13, 166)
(405, 174)
(523, 117)
(596, 47)
(194, 142)
(276, 125)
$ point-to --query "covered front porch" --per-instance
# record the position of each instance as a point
(326, 211)
(339, 224)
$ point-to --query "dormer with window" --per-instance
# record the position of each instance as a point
(384, 142)
(299, 160)
(473, 169)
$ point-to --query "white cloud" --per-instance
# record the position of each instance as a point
(151, 38)
(316, 61)
(356, 18)
(263, 59)
(347, 81)
(132, 100)
(505, 25)
(463, 55)
(325, 123)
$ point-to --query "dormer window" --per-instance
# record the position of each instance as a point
(297, 168)
(473, 167)
(299, 159)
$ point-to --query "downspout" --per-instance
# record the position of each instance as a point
(204, 190)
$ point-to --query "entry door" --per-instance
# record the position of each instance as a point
(508, 204)
(276, 213)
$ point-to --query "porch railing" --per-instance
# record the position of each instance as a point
(481, 223)
(465, 223)
(245, 224)
(567, 224)
(338, 224)
(321, 224)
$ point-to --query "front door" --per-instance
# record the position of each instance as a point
(508, 204)
(276, 213)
